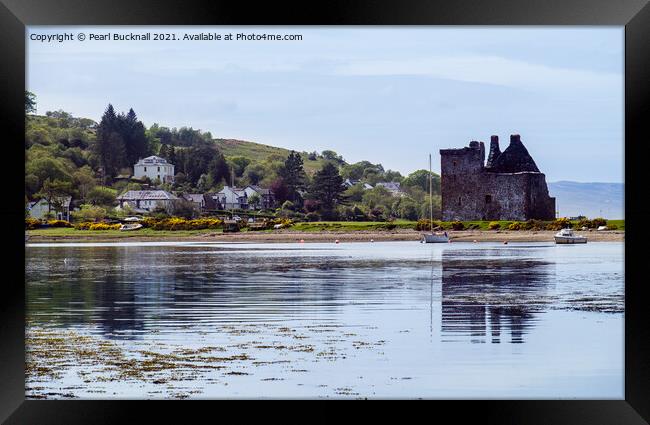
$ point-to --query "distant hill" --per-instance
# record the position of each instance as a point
(588, 199)
(260, 152)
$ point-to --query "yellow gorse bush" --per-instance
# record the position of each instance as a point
(32, 223)
(176, 223)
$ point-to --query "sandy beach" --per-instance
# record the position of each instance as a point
(288, 236)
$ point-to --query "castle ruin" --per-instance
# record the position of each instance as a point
(509, 186)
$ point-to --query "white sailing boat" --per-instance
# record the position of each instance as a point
(433, 237)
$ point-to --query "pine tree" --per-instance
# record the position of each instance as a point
(293, 175)
(328, 188)
(109, 146)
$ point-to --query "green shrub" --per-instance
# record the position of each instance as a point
(612, 227)
(312, 216)
(457, 225)
(598, 221)
(494, 225)
(425, 224)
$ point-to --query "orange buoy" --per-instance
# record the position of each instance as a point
(302, 241)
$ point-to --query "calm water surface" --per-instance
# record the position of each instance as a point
(392, 319)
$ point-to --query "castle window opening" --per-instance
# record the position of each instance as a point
(488, 199)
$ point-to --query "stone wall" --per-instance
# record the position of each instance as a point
(470, 191)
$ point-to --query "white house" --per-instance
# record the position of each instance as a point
(266, 196)
(232, 198)
(147, 199)
(60, 207)
(154, 167)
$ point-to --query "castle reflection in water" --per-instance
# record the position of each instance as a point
(489, 298)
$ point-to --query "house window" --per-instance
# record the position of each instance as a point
(145, 169)
(459, 201)
(455, 163)
(158, 168)
(488, 199)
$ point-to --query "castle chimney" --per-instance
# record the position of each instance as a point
(515, 138)
(494, 151)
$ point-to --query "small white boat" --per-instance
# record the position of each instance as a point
(566, 236)
(437, 237)
(602, 228)
(132, 219)
(130, 226)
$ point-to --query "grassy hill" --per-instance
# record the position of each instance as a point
(260, 152)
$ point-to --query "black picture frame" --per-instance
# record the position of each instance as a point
(633, 14)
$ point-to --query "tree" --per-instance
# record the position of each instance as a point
(293, 175)
(84, 181)
(420, 179)
(109, 146)
(254, 173)
(30, 103)
(332, 156)
(53, 191)
(280, 191)
(239, 164)
(327, 188)
(135, 139)
(101, 196)
(184, 208)
(89, 213)
(254, 200)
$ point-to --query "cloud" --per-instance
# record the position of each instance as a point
(488, 70)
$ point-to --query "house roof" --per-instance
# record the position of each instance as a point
(153, 160)
(139, 195)
(194, 197)
(64, 200)
(237, 190)
(261, 190)
(393, 186)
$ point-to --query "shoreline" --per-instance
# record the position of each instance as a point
(289, 236)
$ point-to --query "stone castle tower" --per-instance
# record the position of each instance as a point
(509, 186)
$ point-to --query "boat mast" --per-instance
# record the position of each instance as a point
(430, 196)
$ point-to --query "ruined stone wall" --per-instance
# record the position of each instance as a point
(471, 191)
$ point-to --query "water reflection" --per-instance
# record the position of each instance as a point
(488, 293)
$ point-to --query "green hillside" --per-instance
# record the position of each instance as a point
(260, 152)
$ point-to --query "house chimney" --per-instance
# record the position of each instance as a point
(515, 138)
(494, 151)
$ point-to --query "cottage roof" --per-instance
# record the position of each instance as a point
(237, 190)
(153, 160)
(146, 195)
(260, 190)
(194, 197)
(392, 186)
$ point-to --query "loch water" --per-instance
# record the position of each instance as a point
(311, 320)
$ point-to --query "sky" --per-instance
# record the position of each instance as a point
(386, 94)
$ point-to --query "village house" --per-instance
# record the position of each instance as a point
(267, 200)
(58, 207)
(147, 200)
(393, 187)
(154, 167)
(230, 198)
(238, 198)
(348, 183)
(201, 201)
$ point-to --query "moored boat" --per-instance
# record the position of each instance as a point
(433, 237)
(566, 236)
(130, 226)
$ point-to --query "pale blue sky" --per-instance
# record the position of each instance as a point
(386, 94)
